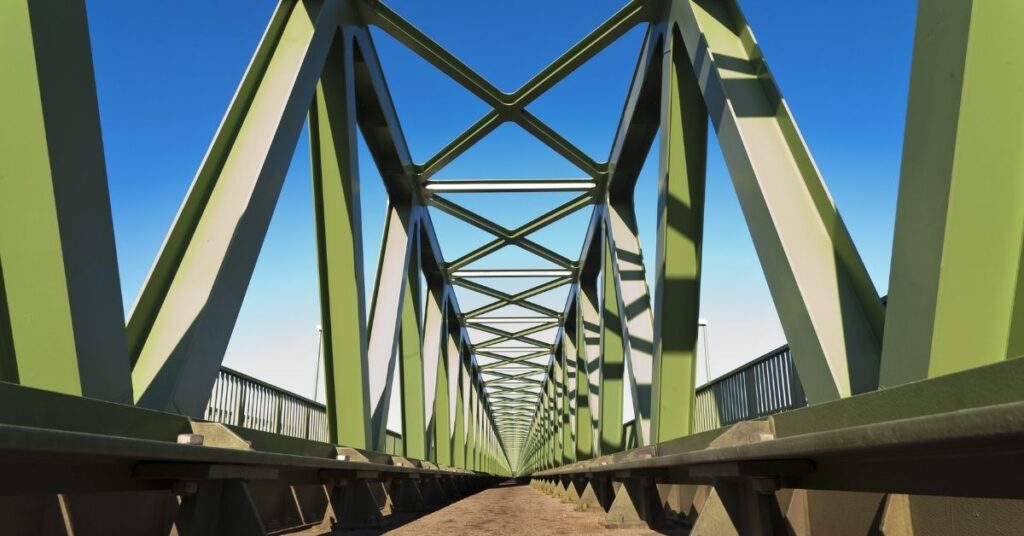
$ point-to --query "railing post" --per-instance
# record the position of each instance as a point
(241, 404)
(750, 392)
(797, 388)
(279, 402)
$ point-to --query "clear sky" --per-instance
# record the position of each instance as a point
(166, 72)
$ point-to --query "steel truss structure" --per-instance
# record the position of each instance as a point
(483, 395)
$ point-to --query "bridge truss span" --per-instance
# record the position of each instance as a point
(879, 413)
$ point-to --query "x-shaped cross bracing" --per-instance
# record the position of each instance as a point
(511, 107)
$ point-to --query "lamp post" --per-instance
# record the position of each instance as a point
(319, 349)
(702, 324)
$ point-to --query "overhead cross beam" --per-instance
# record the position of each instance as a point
(515, 236)
(509, 107)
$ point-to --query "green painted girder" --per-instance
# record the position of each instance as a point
(442, 397)
(463, 186)
(508, 106)
(411, 354)
(435, 339)
(522, 336)
(681, 173)
(61, 315)
(629, 150)
(338, 221)
(180, 325)
(519, 298)
(577, 349)
(827, 304)
(500, 365)
(956, 289)
(512, 236)
(567, 360)
(518, 379)
(828, 307)
(386, 314)
(505, 235)
(612, 362)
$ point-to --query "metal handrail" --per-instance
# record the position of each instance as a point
(765, 386)
(238, 399)
(241, 400)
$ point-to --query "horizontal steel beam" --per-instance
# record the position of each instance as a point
(510, 185)
(958, 435)
(511, 273)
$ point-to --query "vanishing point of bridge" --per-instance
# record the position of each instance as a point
(896, 417)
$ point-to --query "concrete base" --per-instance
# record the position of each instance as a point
(433, 492)
(735, 508)
(355, 504)
(918, 515)
(572, 491)
(405, 496)
(560, 488)
(636, 503)
(451, 490)
(597, 495)
(219, 507)
(680, 502)
(843, 513)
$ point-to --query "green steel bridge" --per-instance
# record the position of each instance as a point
(896, 417)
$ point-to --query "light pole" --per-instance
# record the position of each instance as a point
(319, 348)
(702, 323)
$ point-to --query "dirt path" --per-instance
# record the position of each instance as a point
(511, 509)
(507, 510)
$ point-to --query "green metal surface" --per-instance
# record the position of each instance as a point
(612, 362)
(62, 321)
(181, 324)
(443, 401)
(681, 174)
(335, 171)
(827, 304)
(516, 401)
(459, 435)
(956, 288)
(567, 359)
(411, 351)
(584, 431)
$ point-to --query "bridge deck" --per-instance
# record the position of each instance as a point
(509, 509)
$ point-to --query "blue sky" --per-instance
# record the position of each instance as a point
(167, 71)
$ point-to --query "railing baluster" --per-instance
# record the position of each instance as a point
(765, 386)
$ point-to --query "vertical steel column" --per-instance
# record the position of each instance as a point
(411, 351)
(956, 291)
(61, 315)
(632, 143)
(182, 322)
(827, 304)
(590, 330)
(459, 437)
(559, 406)
(584, 420)
(549, 418)
(335, 171)
(386, 314)
(435, 337)
(567, 354)
(612, 358)
(681, 176)
(442, 397)
(473, 419)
